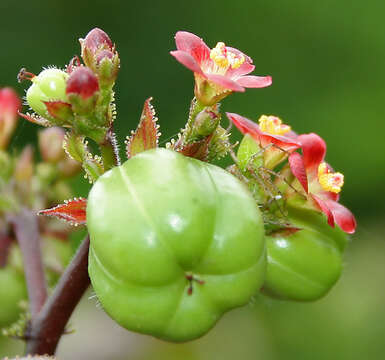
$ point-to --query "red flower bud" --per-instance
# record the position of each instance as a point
(10, 104)
(97, 39)
(104, 54)
(82, 82)
(9, 101)
(51, 144)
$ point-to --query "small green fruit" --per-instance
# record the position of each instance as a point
(304, 265)
(49, 85)
(175, 243)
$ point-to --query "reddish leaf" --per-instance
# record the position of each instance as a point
(73, 211)
(35, 119)
(59, 110)
(146, 135)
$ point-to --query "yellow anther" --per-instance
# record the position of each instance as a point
(224, 58)
(273, 125)
(329, 181)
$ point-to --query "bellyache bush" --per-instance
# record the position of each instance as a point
(175, 241)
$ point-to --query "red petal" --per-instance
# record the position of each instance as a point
(247, 126)
(342, 216)
(237, 52)
(297, 167)
(187, 60)
(255, 81)
(314, 150)
(193, 45)
(73, 211)
(225, 82)
(324, 208)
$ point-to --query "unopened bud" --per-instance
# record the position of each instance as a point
(206, 122)
(24, 165)
(10, 104)
(83, 83)
(51, 144)
(49, 85)
(96, 40)
(98, 53)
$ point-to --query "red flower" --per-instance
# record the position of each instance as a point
(217, 71)
(320, 182)
(276, 139)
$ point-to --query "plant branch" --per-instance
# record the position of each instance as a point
(46, 331)
(26, 229)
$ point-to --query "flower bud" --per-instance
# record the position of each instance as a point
(98, 53)
(82, 83)
(96, 40)
(24, 165)
(49, 85)
(10, 104)
(51, 144)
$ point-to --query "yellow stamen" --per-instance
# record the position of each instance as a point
(224, 58)
(273, 125)
(329, 181)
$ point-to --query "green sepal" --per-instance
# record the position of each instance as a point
(249, 153)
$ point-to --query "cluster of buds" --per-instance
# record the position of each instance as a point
(81, 99)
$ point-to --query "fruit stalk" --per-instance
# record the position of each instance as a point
(48, 327)
(27, 233)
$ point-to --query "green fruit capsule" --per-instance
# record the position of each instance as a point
(304, 265)
(49, 85)
(175, 243)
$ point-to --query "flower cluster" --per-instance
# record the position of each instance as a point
(313, 184)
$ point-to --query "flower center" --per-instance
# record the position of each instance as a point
(329, 181)
(225, 59)
(273, 125)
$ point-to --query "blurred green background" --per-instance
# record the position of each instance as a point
(327, 61)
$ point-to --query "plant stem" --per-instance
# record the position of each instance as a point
(5, 243)
(27, 233)
(47, 329)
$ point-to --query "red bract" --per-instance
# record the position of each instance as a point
(217, 71)
(82, 82)
(275, 147)
(72, 211)
(320, 182)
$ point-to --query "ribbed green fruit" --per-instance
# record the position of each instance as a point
(175, 243)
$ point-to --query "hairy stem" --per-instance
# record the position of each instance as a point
(47, 329)
(27, 234)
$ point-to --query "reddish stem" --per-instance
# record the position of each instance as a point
(26, 229)
(5, 243)
(45, 332)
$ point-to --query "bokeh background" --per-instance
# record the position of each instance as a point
(327, 59)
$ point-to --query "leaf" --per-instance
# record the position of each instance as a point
(35, 119)
(75, 146)
(60, 111)
(146, 135)
(72, 211)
